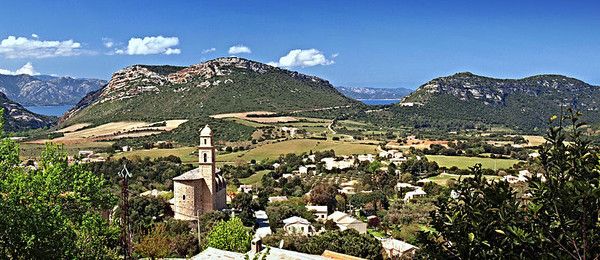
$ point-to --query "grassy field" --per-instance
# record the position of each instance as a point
(463, 162)
(443, 178)
(185, 153)
(255, 179)
(298, 146)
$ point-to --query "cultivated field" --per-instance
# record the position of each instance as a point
(266, 119)
(82, 133)
(463, 162)
(254, 179)
(298, 146)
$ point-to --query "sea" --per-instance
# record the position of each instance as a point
(49, 110)
(379, 101)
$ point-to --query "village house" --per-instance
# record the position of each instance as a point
(299, 226)
(366, 158)
(304, 169)
(412, 194)
(401, 186)
(331, 163)
(262, 222)
(320, 212)
(291, 130)
(345, 221)
(396, 249)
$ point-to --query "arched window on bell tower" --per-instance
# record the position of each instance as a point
(205, 155)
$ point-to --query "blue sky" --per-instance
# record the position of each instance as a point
(350, 43)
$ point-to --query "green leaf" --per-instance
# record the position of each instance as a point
(471, 237)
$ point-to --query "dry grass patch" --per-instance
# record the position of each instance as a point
(254, 118)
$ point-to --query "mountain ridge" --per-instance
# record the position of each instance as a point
(374, 93)
(524, 103)
(45, 90)
(222, 85)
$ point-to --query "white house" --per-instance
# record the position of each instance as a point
(345, 221)
(416, 193)
(305, 168)
(331, 163)
(276, 165)
(401, 186)
(366, 158)
(291, 130)
(320, 212)
(298, 225)
(397, 249)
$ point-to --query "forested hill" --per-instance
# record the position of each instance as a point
(223, 85)
(466, 100)
(17, 118)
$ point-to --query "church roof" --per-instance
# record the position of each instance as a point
(193, 175)
(206, 131)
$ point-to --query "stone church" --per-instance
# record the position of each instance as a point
(202, 189)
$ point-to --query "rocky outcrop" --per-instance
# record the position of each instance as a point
(17, 118)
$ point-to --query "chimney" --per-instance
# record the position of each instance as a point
(256, 245)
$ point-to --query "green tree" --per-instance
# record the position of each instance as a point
(52, 211)
(324, 194)
(557, 219)
(230, 235)
(155, 244)
(565, 206)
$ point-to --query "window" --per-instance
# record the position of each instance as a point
(204, 141)
(183, 197)
(205, 157)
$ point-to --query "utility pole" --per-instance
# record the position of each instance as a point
(125, 236)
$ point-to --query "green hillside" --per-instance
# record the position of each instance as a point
(223, 85)
(465, 100)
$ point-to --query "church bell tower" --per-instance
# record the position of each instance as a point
(206, 156)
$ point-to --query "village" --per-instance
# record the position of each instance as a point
(300, 197)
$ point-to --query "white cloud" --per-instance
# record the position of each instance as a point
(303, 58)
(35, 35)
(151, 45)
(20, 47)
(237, 49)
(108, 42)
(26, 69)
(205, 51)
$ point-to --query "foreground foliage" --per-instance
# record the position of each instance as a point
(53, 211)
(557, 218)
